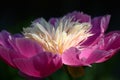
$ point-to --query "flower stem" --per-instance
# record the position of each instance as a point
(65, 69)
(50, 78)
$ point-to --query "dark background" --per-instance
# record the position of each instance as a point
(14, 15)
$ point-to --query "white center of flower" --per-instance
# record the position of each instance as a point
(58, 38)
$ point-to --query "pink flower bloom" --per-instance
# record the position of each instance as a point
(27, 56)
(74, 40)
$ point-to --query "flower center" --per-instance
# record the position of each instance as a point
(63, 35)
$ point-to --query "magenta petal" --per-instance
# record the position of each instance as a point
(100, 23)
(112, 41)
(71, 57)
(79, 16)
(26, 66)
(96, 56)
(41, 65)
(111, 44)
(108, 55)
(47, 63)
(4, 36)
(85, 53)
(28, 47)
(99, 26)
(5, 55)
(27, 77)
(17, 35)
(53, 21)
(104, 23)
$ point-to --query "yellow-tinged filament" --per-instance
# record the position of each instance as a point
(58, 38)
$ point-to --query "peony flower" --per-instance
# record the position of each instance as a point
(73, 40)
(27, 56)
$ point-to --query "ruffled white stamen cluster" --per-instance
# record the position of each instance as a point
(63, 35)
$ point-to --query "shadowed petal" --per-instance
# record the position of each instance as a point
(104, 23)
(5, 55)
(28, 47)
(99, 26)
(96, 56)
(47, 63)
(108, 55)
(41, 65)
(26, 66)
(4, 36)
(29, 77)
(111, 44)
(53, 21)
(17, 35)
(79, 16)
(112, 40)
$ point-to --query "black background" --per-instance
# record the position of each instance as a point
(14, 12)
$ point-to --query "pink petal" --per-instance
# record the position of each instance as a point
(47, 63)
(112, 32)
(99, 26)
(79, 16)
(71, 57)
(85, 53)
(4, 36)
(109, 54)
(5, 55)
(96, 56)
(104, 23)
(29, 77)
(92, 54)
(41, 65)
(112, 41)
(26, 66)
(28, 47)
(111, 44)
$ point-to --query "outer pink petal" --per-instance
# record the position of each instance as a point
(26, 66)
(112, 40)
(99, 26)
(4, 36)
(85, 53)
(79, 16)
(42, 65)
(92, 54)
(5, 55)
(96, 56)
(111, 44)
(104, 23)
(30, 77)
(108, 55)
(71, 57)
(47, 63)
(27, 47)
